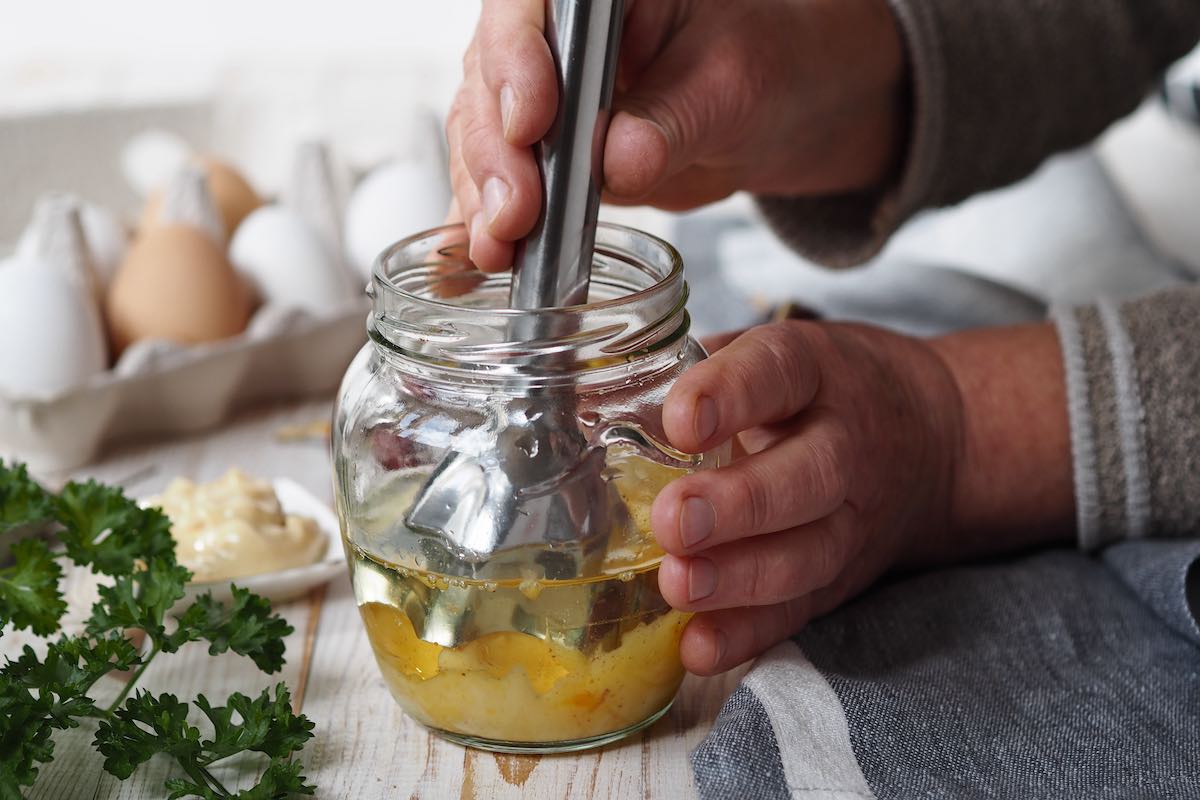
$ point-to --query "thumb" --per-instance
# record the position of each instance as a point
(666, 121)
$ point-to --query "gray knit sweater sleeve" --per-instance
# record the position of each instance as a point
(997, 86)
(1133, 385)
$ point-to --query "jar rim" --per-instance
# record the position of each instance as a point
(637, 308)
(381, 279)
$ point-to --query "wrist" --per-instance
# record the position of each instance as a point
(1012, 479)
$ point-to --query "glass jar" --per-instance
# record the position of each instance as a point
(531, 636)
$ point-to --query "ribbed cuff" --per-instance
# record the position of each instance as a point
(846, 230)
(1133, 389)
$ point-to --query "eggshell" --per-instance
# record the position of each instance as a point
(392, 202)
(234, 197)
(107, 238)
(176, 284)
(151, 157)
(51, 338)
(288, 263)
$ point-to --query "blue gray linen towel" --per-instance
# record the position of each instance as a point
(1058, 675)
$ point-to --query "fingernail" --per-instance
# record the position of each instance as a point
(702, 579)
(508, 101)
(696, 521)
(720, 644)
(705, 422)
(476, 231)
(495, 197)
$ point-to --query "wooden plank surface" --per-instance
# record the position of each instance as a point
(364, 747)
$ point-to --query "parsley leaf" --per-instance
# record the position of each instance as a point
(70, 668)
(107, 531)
(267, 725)
(29, 596)
(22, 501)
(24, 737)
(246, 627)
(281, 779)
(103, 529)
(145, 726)
(139, 600)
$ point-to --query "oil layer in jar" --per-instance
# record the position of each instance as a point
(531, 662)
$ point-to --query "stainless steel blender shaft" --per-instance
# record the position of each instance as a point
(537, 480)
(553, 264)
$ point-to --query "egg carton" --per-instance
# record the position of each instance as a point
(296, 344)
(166, 389)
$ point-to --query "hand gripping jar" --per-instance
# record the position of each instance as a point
(467, 462)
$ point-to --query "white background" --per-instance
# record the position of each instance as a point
(71, 52)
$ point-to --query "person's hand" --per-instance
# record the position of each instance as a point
(775, 96)
(866, 451)
(851, 435)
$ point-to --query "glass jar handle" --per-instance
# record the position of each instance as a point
(624, 432)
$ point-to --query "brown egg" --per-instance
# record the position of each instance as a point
(176, 284)
(233, 196)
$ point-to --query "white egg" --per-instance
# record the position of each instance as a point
(288, 262)
(107, 238)
(391, 203)
(151, 158)
(51, 338)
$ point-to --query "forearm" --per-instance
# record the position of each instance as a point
(1013, 475)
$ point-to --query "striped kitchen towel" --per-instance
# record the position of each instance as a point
(1057, 675)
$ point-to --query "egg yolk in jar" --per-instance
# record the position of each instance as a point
(531, 661)
(596, 657)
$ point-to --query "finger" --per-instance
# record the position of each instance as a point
(803, 478)
(764, 570)
(716, 641)
(485, 251)
(769, 373)
(690, 188)
(683, 106)
(452, 275)
(712, 344)
(518, 68)
(507, 177)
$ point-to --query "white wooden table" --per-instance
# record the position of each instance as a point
(364, 748)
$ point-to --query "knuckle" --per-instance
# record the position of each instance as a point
(740, 79)
(477, 141)
(470, 57)
(786, 346)
(827, 473)
(764, 582)
(829, 556)
(794, 614)
(754, 499)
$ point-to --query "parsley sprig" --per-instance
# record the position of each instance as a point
(100, 528)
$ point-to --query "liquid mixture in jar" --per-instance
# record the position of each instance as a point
(526, 660)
